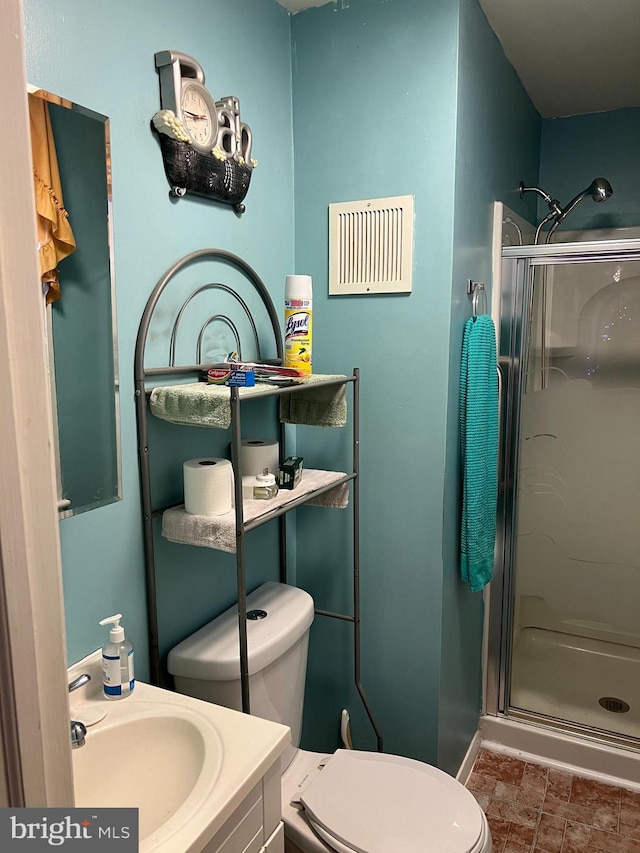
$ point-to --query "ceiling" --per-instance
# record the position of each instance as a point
(572, 56)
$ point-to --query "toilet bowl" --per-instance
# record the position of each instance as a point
(346, 802)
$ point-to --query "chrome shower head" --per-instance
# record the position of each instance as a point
(600, 189)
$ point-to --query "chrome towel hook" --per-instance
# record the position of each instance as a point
(478, 293)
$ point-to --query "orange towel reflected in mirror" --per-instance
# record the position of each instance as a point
(55, 236)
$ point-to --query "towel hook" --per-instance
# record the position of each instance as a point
(478, 293)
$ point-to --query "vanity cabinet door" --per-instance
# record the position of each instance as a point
(271, 800)
(257, 818)
(243, 832)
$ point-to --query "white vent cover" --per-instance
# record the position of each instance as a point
(370, 246)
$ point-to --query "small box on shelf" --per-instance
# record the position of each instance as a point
(290, 472)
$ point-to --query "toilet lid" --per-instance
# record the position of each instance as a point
(375, 803)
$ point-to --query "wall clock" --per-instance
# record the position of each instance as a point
(206, 147)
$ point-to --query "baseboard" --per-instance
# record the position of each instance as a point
(467, 762)
(590, 759)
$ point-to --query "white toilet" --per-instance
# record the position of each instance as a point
(348, 802)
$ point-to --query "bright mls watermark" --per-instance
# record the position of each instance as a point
(69, 829)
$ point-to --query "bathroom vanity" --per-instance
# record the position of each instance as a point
(205, 779)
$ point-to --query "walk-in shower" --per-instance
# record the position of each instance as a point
(564, 643)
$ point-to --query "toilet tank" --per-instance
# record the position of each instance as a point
(207, 664)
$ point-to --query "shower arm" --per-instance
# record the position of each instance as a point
(540, 192)
(554, 204)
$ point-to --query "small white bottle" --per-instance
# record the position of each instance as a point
(261, 487)
(266, 486)
(117, 662)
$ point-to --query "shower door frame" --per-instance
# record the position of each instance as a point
(513, 323)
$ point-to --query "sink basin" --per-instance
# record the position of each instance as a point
(151, 760)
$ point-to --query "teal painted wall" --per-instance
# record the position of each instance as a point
(102, 57)
(376, 113)
(497, 142)
(577, 149)
(374, 92)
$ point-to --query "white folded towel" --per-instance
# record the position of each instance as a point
(219, 532)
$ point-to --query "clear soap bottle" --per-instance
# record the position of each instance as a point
(118, 678)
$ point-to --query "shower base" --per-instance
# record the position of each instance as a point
(581, 680)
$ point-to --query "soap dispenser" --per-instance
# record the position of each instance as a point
(117, 661)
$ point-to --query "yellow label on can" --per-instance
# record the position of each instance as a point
(298, 334)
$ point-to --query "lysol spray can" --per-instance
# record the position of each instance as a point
(298, 311)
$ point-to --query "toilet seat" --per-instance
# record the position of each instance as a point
(363, 802)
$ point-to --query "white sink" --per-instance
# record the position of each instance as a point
(186, 765)
(149, 757)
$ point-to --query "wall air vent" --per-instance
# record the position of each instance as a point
(371, 245)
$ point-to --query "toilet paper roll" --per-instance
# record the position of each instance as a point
(256, 454)
(208, 486)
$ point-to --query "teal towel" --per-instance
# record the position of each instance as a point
(479, 447)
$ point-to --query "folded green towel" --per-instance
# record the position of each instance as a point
(479, 446)
(318, 406)
(196, 404)
(199, 404)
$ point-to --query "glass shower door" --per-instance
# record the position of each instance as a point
(575, 529)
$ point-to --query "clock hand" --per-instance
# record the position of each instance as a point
(193, 115)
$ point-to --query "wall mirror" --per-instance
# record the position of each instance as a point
(81, 325)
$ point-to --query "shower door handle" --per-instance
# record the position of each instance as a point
(501, 409)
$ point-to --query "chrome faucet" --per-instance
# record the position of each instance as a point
(78, 729)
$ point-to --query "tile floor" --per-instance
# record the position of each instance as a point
(534, 809)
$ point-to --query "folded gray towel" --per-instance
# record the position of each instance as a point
(318, 406)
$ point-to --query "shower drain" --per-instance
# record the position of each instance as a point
(616, 706)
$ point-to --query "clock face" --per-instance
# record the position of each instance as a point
(199, 116)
